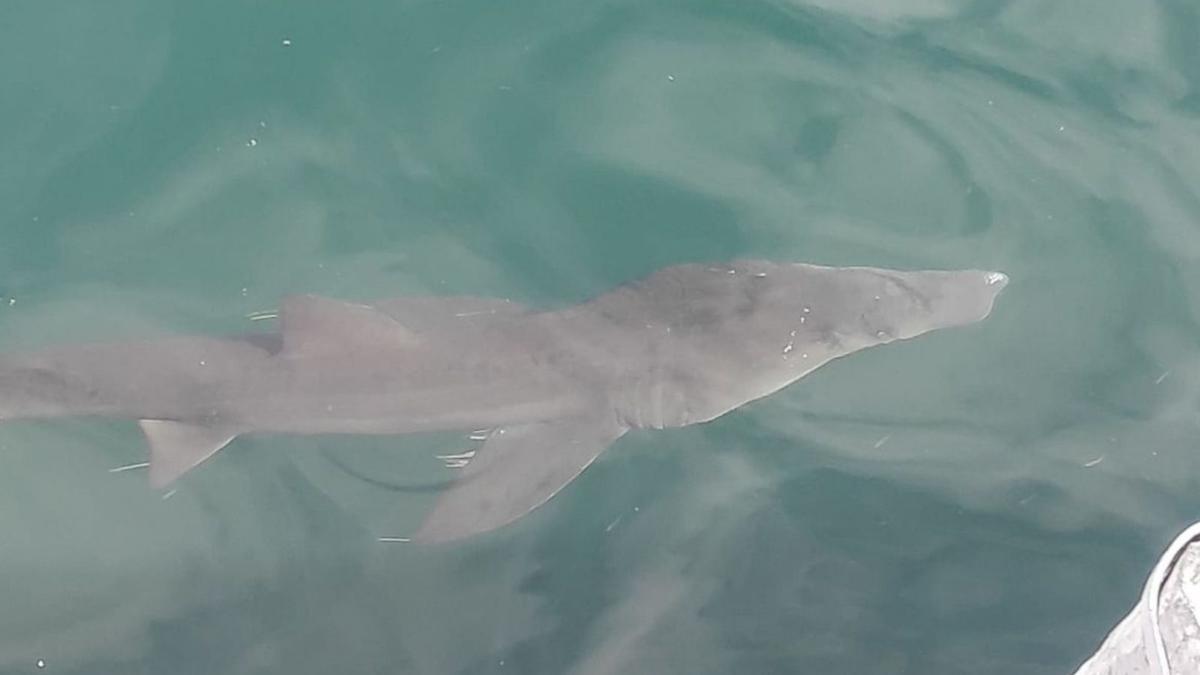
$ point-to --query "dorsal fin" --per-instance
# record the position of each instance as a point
(422, 313)
(447, 315)
(312, 325)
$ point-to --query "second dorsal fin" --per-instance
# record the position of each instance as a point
(313, 325)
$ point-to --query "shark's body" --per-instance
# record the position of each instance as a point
(553, 388)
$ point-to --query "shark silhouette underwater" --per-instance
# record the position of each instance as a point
(553, 389)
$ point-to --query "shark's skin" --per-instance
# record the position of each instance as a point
(553, 388)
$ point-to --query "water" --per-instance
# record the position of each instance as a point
(983, 500)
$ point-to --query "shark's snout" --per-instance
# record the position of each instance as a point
(976, 297)
(996, 281)
(953, 298)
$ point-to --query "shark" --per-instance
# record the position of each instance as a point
(544, 390)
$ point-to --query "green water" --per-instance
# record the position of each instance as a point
(984, 500)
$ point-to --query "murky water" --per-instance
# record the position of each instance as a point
(982, 500)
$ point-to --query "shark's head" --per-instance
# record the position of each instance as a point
(753, 327)
(729, 334)
(865, 306)
(847, 308)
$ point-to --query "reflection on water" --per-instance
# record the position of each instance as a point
(987, 499)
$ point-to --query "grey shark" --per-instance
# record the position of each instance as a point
(550, 389)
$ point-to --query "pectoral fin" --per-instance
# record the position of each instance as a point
(516, 470)
(177, 447)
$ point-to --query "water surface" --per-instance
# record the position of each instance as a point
(983, 500)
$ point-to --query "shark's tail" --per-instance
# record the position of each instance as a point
(91, 379)
(30, 392)
(136, 380)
